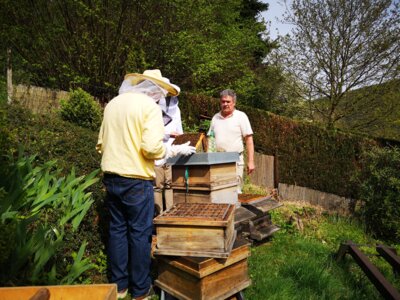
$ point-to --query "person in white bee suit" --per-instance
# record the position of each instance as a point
(163, 194)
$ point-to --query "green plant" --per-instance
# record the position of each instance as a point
(3, 90)
(380, 192)
(43, 208)
(82, 109)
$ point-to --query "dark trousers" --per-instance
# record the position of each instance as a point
(131, 205)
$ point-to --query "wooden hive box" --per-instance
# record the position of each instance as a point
(198, 278)
(204, 170)
(62, 292)
(223, 194)
(196, 229)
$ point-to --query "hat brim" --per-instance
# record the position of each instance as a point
(136, 78)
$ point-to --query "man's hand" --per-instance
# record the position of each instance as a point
(250, 167)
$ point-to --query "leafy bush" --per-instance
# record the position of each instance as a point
(81, 109)
(42, 208)
(380, 192)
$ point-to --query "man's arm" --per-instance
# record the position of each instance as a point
(250, 153)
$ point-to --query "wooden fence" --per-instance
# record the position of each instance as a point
(38, 99)
(266, 175)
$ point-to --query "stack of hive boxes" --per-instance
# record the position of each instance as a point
(197, 252)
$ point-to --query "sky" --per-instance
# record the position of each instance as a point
(276, 10)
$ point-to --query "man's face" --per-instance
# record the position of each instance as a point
(227, 105)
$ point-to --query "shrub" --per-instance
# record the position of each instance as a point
(380, 192)
(81, 108)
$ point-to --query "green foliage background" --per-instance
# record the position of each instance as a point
(203, 46)
(379, 181)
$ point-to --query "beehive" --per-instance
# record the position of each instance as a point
(196, 229)
(198, 278)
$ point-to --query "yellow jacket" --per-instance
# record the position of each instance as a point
(131, 136)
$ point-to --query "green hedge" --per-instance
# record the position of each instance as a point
(307, 155)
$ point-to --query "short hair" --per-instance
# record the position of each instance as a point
(228, 92)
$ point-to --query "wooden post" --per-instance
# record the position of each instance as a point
(276, 171)
(9, 77)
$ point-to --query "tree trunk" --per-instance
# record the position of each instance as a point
(9, 77)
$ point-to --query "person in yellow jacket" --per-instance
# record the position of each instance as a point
(130, 140)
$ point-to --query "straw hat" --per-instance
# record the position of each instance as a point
(155, 77)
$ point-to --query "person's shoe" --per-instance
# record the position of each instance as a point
(122, 294)
(146, 296)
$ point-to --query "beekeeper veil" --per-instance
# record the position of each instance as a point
(150, 83)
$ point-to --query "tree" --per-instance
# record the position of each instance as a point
(338, 46)
(204, 46)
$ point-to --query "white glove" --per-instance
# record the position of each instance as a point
(183, 149)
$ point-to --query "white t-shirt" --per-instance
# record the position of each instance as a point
(230, 131)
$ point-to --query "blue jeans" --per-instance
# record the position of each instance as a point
(131, 205)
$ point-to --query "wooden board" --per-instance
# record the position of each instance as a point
(62, 292)
(197, 140)
(250, 198)
(242, 215)
(263, 206)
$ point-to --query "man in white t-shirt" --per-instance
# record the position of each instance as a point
(231, 127)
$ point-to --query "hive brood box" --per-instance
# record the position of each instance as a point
(204, 170)
(222, 194)
(205, 177)
(198, 278)
(196, 229)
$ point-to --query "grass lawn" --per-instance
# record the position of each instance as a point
(298, 261)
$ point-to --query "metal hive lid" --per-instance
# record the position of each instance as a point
(212, 158)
